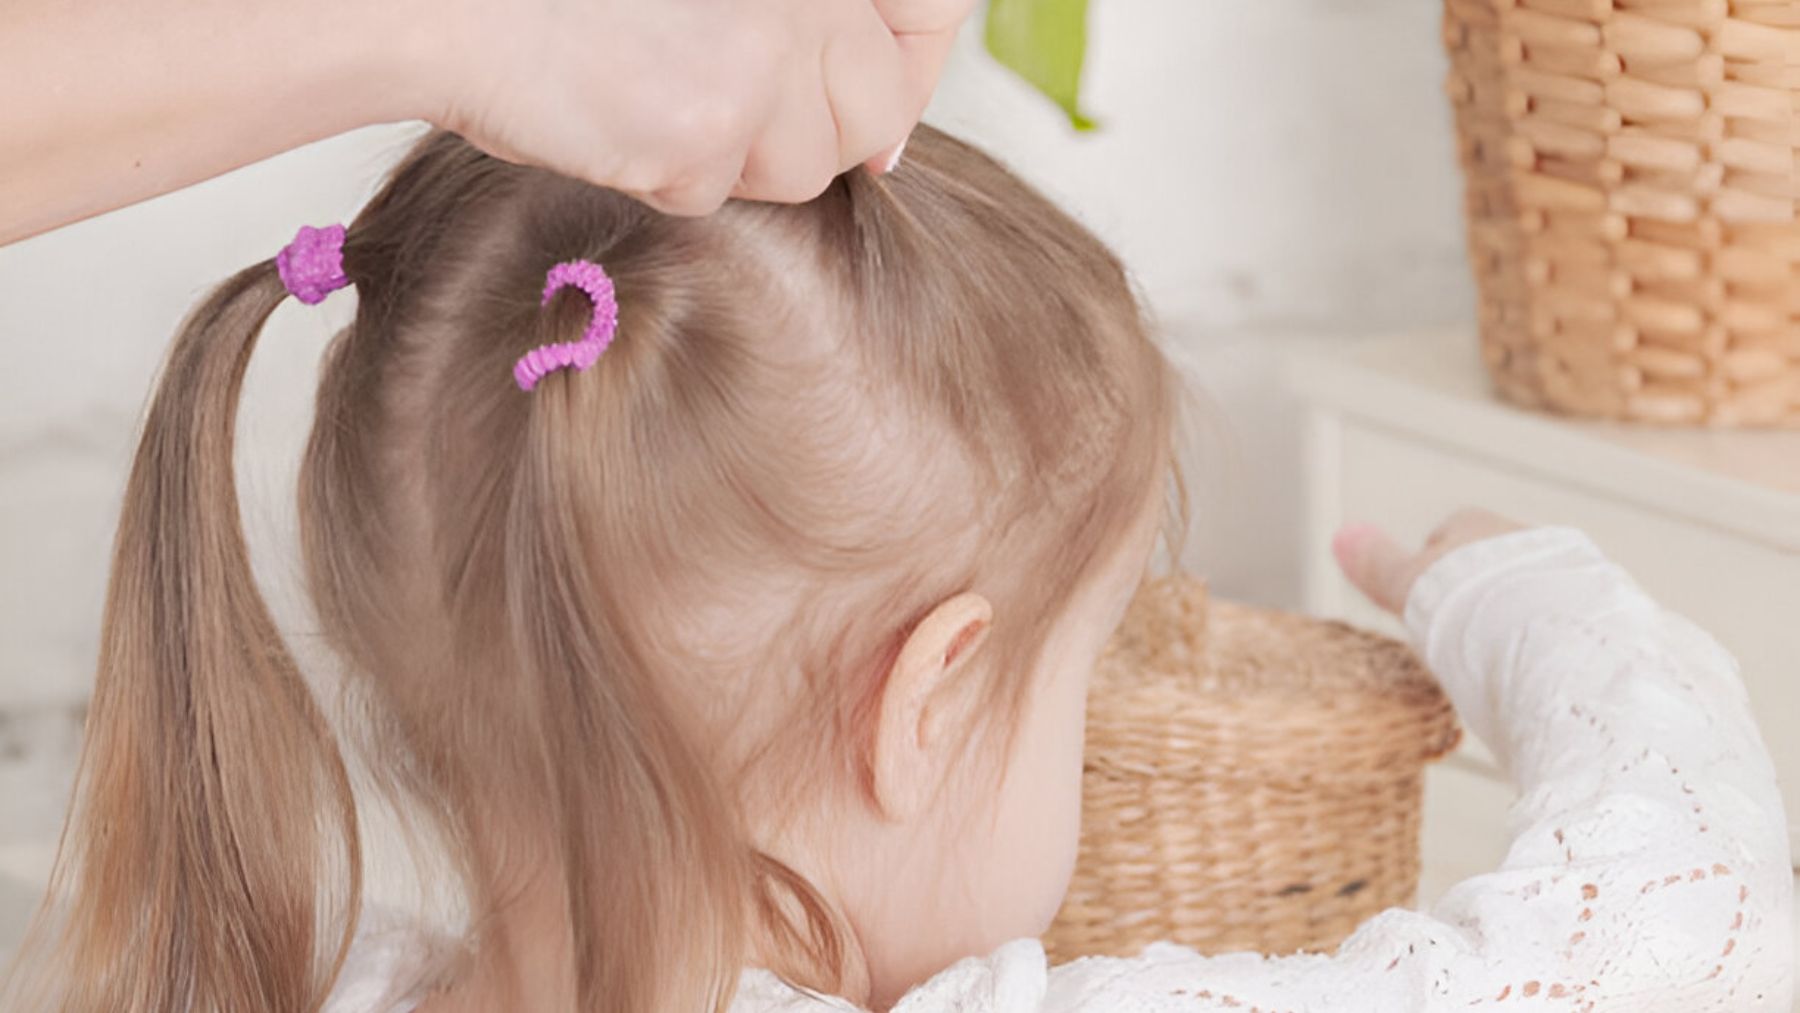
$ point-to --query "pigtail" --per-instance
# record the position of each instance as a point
(657, 877)
(211, 860)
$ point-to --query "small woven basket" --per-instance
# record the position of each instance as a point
(1630, 169)
(1252, 782)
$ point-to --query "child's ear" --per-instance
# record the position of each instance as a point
(924, 698)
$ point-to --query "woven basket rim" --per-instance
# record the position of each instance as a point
(1263, 808)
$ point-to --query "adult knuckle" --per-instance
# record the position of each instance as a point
(761, 45)
(809, 181)
(789, 188)
(641, 177)
(709, 122)
(684, 202)
(924, 15)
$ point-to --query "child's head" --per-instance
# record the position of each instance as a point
(765, 640)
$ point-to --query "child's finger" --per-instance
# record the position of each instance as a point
(1373, 562)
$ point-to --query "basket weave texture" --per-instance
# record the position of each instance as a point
(1252, 780)
(1630, 169)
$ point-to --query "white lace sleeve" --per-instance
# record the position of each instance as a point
(1649, 869)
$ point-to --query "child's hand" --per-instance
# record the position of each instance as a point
(1385, 572)
(684, 103)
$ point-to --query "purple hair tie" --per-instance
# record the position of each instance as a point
(312, 266)
(584, 352)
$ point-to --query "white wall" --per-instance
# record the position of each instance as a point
(1270, 170)
(1264, 167)
(1281, 161)
(86, 314)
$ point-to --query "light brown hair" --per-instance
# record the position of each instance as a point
(825, 418)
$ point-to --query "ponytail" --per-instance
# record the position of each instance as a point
(211, 860)
(657, 876)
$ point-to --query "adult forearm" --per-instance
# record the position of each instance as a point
(107, 102)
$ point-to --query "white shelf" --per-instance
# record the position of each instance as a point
(1432, 385)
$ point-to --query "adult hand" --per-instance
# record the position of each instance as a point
(681, 102)
(684, 103)
(1384, 571)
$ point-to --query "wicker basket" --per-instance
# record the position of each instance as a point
(1252, 781)
(1631, 182)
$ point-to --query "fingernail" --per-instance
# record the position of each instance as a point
(893, 159)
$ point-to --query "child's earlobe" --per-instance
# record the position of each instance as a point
(909, 752)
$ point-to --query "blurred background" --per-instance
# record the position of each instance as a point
(1278, 175)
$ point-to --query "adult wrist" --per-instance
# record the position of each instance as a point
(403, 60)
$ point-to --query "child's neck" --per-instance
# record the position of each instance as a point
(523, 960)
(849, 980)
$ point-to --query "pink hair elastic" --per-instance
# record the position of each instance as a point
(312, 266)
(584, 352)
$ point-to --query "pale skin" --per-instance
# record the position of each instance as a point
(925, 885)
(954, 852)
(682, 103)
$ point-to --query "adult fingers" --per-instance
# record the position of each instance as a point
(923, 58)
(796, 157)
(913, 17)
(868, 89)
(926, 32)
(1375, 564)
(886, 160)
(701, 192)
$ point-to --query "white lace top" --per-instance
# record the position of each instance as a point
(1649, 869)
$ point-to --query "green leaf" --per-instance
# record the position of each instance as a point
(1044, 42)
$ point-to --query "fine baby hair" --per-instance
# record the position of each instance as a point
(606, 631)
